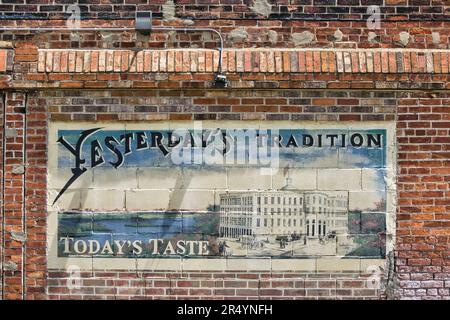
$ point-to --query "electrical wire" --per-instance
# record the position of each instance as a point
(125, 29)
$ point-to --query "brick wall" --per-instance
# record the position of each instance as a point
(422, 263)
(13, 192)
(245, 33)
(205, 10)
(212, 285)
(142, 105)
(239, 61)
(300, 68)
(1, 198)
(422, 233)
(315, 105)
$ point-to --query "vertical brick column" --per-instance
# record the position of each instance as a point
(422, 262)
(36, 198)
(14, 230)
(2, 111)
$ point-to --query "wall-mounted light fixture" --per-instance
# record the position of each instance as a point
(144, 25)
(143, 22)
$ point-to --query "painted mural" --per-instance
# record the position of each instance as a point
(220, 192)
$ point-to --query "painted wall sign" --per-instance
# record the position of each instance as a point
(220, 191)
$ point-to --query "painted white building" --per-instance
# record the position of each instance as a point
(284, 212)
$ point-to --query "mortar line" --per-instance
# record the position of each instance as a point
(2, 257)
(24, 219)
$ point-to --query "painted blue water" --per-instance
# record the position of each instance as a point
(129, 228)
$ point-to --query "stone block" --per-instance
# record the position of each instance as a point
(373, 179)
(367, 201)
(69, 200)
(256, 264)
(110, 178)
(184, 178)
(58, 177)
(308, 265)
(199, 264)
(195, 200)
(339, 179)
(336, 264)
(302, 179)
(106, 199)
(244, 178)
(147, 200)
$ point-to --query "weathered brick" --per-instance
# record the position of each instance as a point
(268, 81)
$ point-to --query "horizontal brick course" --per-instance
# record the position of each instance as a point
(333, 10)
(242, 104)
(262, 61)
(247, 285)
